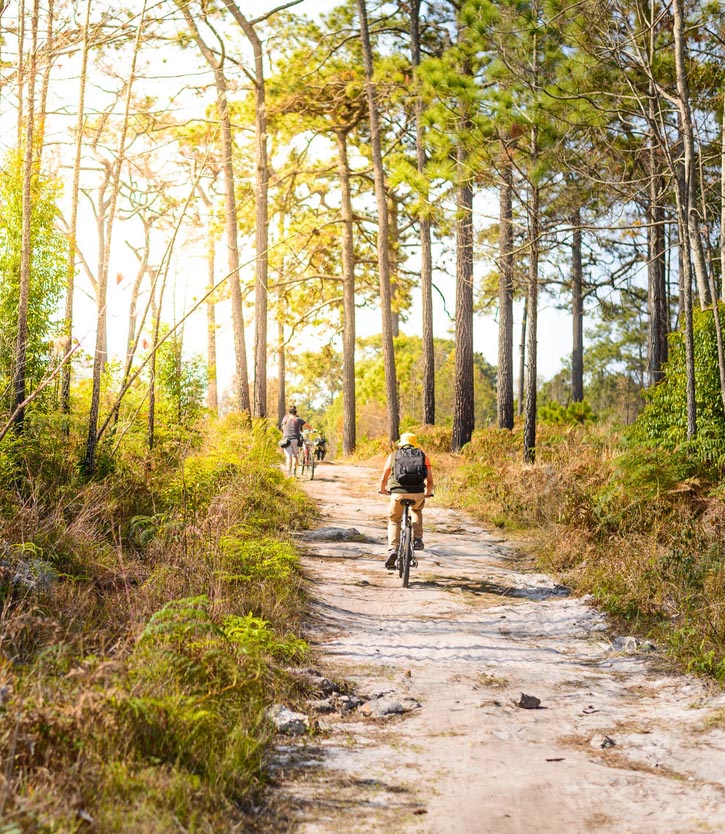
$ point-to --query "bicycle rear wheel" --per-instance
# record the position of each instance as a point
(312, 466)
(407, 558)
(406, 544)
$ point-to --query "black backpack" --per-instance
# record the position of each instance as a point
(409, 467)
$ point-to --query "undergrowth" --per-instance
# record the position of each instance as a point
(639, 527)
(147, 619)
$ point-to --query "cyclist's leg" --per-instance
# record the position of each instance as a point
(417, 514)
(395, 514)
(289, 455)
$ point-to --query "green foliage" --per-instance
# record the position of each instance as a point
(572, 414)
(48, 268)
(256, 559)
(664, 419)
(182, 382)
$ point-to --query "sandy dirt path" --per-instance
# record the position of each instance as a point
(618, 745)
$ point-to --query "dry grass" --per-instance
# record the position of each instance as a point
(139, 644)
(636, 529)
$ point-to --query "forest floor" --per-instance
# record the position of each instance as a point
(619, 743)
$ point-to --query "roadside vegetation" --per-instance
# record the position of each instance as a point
(634, 516)
(148, 618)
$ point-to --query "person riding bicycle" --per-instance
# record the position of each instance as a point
(292, 426)
(407, 474)
(320, 447)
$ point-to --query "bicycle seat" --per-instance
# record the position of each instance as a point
(407, 502)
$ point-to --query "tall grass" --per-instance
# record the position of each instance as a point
(146, 620)
(640, 528)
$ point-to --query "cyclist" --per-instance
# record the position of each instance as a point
(407, 474)
(320, 447)
(291, 427)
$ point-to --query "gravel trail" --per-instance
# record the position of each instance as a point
(618, 745)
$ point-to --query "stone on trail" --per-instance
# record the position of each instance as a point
(287, 721)
(602, 742)
(528, 702)
(336, 534)
(388, 705)
(632, 644)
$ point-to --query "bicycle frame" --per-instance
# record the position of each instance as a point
(406, 559)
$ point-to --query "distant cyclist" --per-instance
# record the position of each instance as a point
(292, 427)
(407, 474)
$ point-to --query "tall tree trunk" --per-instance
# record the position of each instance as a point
(686, 303)
(212, 393)
(577, 308)
(349, 433)
(261, 188)
(151, 424)
(391, 386)
(73, 229)
(21, 73)
(89, 463)
(659, 311)
(522, 359)
(281, 368)
(44, 86)
(26, 252)
(394, 244)
(690, 218)
(426, 256)
(722, 203)
(533, 298)
(230, 212)
(143, 266)
(463, 403)
(505, 376)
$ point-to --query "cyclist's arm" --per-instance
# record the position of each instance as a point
(428, 479)
(387, 469)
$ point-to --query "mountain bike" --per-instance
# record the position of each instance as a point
(307, 461)
(406, 556)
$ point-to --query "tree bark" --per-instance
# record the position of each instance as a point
(463, 404)
(230, 219)
(281, 368)
(533, 300)
(391, 386)
(261, 188)
(522, 359)
(45, 84)
(349, 432)
(686, 303)
(426, 257)
(505, 377)
(26, 253)
(393, 245)
(690, 218)
(722, 204)
(73, 229)
(577, 307)
(657, 291)
(212, 392)
(21, 73)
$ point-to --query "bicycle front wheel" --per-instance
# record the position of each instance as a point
(312, 467)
